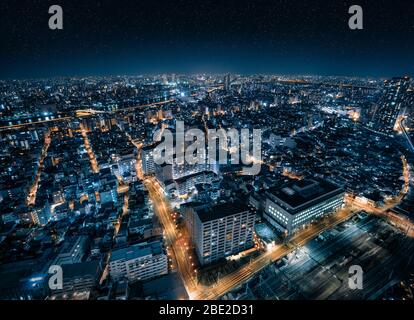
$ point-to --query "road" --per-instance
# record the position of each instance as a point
(92, 158)
(89, 112)
(401, 128)
(177, 241)
(17, 126)
(31, 197)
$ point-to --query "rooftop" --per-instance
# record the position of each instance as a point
(82, 269)
(193, 175)
(297, 195)
(137, 251)
(208, 212)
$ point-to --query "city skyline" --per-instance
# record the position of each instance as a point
(226, 152)
(114, 219)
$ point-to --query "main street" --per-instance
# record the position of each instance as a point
(92, 158)
(31, 198)
(177, 241)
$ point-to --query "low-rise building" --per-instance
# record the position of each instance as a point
(72, 251)
(139, 262)
(78, 280)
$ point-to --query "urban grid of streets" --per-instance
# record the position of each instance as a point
(178, 241)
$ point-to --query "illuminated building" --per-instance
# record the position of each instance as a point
(138, 262)
(147, 155)
(219, 231)
(299, 202)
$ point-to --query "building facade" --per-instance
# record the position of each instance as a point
(219, 231)
(72, 251)
(147, 158)
(138, 262)
(78, 280)
(299, 202)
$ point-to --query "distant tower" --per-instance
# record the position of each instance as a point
(227, 82)
(391, 104)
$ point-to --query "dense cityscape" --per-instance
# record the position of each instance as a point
(81, 189)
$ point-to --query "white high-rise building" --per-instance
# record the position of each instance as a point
(147, 157)
(219, 231)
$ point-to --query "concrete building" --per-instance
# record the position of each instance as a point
(187, 184)
(219, 231)
(138, 262)
(298, 202)
(147, 157)
(41, 214)
(72, 251)
(78, 280)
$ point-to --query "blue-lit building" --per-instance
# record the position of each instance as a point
(299, 202)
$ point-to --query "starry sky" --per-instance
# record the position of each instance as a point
(186, 36)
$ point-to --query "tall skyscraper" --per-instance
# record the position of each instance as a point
(227, 82)
(391, 104)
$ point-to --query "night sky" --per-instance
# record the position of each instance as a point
(183, 36)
